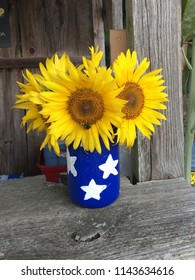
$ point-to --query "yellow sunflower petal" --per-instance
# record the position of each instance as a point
(140, 70)
(96, 140)
(142, 128)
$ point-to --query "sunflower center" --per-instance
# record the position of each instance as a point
(134, 94)
(86, 107)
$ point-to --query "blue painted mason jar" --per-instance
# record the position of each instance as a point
(93, 178)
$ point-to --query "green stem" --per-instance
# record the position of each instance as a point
(189, 133)
(186, 59)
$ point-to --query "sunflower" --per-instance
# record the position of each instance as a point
(83, 107)
(96, 57)
(144, 95)
(30, 100)
(54, 66)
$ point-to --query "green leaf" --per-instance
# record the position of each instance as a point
(188, 21)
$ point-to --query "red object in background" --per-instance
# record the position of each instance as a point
(52, 173)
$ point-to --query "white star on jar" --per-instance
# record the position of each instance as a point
(70, 164)
(93, 190)
(109, 167)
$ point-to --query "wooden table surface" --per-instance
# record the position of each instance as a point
(152, 220)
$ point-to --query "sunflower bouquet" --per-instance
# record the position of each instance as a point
(89, 104)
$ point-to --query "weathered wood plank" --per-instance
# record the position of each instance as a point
(21, 62)
(151, 220)
(59, 25)
(98, 26)
(13, 157)
(32, 62)
(113, 14)
(155, 32)
(13, 151)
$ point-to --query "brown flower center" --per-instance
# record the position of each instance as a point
(134, 94)
(86, 107)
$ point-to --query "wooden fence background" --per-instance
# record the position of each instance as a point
(39, 28)
(154, 30)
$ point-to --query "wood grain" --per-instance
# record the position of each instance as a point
(21, 62)
(13, 148)
(151, 220)
(113, 14)
(154, 29)
(59, 25)
(98, 27)
(26, 62)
